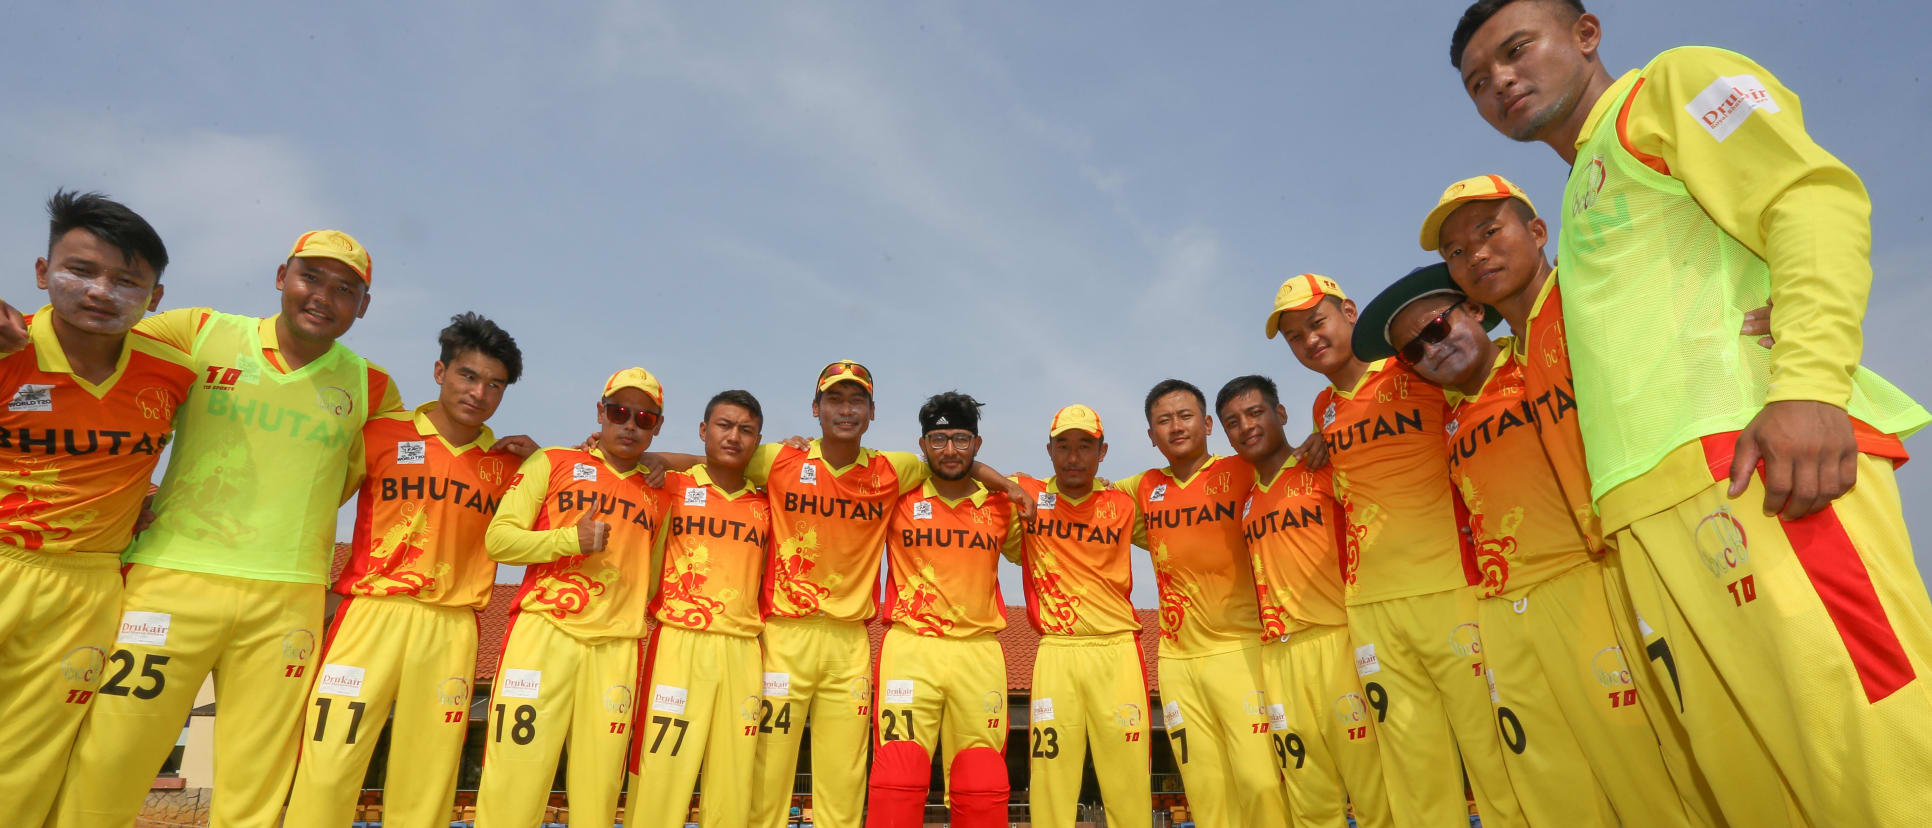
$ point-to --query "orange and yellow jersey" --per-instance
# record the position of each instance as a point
(76, 457)
(178, 328)
(1294, 526)
(943, 562)
(1551, 391)
(713, 545)
(1075, 556)
(1385, 443)
(422, 506)
(1520, 522)
(829, 527)
(600, 595)
(1192, 527)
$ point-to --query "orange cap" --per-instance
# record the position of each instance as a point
(845, 370)
(1480, 188)
(1301, 293)
(333, 244)
(639, 379)
(1076, 417)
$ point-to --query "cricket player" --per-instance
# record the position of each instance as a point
(89, 409)
(1406, 577)
(1323, 731)
(830, 502)
(1187, 517)
(702, 666)
(585, 523)
(1749, 494)
(1089, 680)
(1565, 705)
(231, 575)
(404, 636)
(942, 675)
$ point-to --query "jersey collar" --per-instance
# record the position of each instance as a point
(1373, 369)
(1601, 109)
(702, 476)
(1508, 350)
(427, 428)
(598, 452)
(864, 458)
(1053, 485)
(1211, 460)
(978, 497)
(1542, 296)
(51, 358)
(1265, 485)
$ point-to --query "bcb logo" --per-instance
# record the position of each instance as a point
(617, 699)
(490, 470)
(83, 664)
(297, 645)
(1466, 640)
(157, 403)
(1609, 667)
(1127, 715)
(1721, 542)
(1350, 709)
(454, 691)
(335, 401)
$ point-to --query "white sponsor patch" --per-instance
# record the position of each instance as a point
(583, 471)
(668, 699)
(1247, 506)
(340, 680)
(1451, 427)
(521, 684)
(1725, 105)
(150, 628)
(898, 691)
(922, 510)
(808, 473)
(1277, 717)
(411, 452)
(1046, 500)
(1328, 416)
(1171, 712)
(1494, 696)
(778, 685)
(1365, 661)
(1643, 627)
(32, 398)
(694, 496)
(1042, 711)
(1158, 494)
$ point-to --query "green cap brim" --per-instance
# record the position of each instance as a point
(1372, 325)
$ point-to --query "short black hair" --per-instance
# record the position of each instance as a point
(1479, 13)
(110, 221)
(950, 410)
(738, 397)
(1242, 385)
(1169, 386)
(469, 331)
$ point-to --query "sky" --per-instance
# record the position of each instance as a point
(1034, 203)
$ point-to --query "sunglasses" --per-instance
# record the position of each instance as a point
(618, 414)
(1436, 331)
(851, 369)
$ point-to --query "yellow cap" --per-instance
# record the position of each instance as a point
(1301, 293)
(333, 244)
(845, 370)
(639, 379)
(1076, 417)
(1480, 188)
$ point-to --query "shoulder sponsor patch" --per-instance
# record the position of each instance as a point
(411, 452)
(1328, 416)
(1365, 662)
(1047, 500)
(521, 684)
(583, 471)
(922, 510)
(340, 680)
(149, 628)
(808, 473)
(1158, 494)
(32, 398)
(694, 496)
(1725, 105)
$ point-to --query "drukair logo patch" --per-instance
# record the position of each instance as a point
(1728, 102)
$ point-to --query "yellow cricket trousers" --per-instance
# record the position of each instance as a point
(57, 619)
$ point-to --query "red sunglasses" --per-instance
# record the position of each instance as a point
(618, 414)
(1436, 331)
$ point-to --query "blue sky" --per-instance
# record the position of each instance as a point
(1037, 204)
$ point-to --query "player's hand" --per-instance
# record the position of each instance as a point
(799, 443)
(13, 329)
(1758, 323)
(592, 534)
(518, 444)
(1021, 502)
(1809, 455)
(588, 443)
(143, 520)
(1313, 451)
(654, 469)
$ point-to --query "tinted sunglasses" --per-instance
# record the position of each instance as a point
(1436, 331)
(851, 369)
(619, 414)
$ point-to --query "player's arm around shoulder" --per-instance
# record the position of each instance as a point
(513, 535)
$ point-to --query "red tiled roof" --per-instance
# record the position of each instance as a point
(1019, 640)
